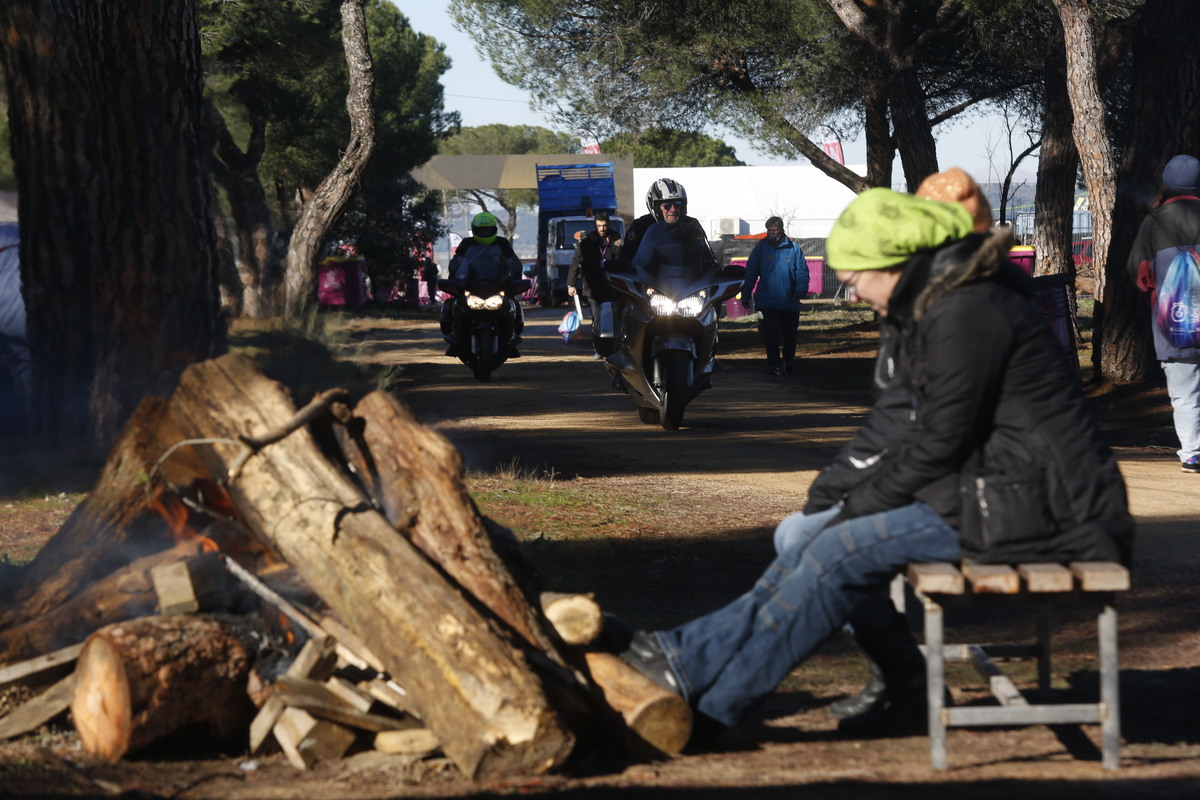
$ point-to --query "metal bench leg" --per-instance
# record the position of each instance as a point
(935, 678)
(1043, 635)
(1110, 693)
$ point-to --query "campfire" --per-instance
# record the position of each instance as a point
(314, 580)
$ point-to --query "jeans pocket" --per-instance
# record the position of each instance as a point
(1005, 513)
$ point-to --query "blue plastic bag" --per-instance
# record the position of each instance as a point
(1178, 308)
(570, 326)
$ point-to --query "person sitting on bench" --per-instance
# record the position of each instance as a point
(1001, 462)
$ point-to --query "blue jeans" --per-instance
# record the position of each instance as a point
(1183, 385)
(727, 660)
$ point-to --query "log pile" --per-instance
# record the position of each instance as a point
(316, 580)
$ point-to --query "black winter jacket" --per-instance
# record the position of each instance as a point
(1001, 445)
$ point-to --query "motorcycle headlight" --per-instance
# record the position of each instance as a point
(494, 302)
(691, 306)
(662, 305)
(475, 303)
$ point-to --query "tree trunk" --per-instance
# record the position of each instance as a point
(1164, 121)
(322, 210)
(255, 263)
(914, 135)
(1055, 191)
(1090, 132)
(138, 682)
(117, 252)
(881, 150)
(472, 686)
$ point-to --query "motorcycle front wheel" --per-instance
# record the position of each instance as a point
(485, 356)
(675, 366)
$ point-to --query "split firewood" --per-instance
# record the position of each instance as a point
(200, 583)
(353, 649)
(35, 713)
(659, 722)
(41, 669)
(471, 686)
(305, 740)
(418, 742)
(576, 617)
(317, 699)
(141, 680)
(316, 659)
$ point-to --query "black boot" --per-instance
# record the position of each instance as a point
(902, 705)
(646, 656)
(867, 696)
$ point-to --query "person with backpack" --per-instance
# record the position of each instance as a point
(1165, 262)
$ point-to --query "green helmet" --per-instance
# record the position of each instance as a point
(483, 227)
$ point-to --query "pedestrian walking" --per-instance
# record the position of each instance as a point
(777, 274)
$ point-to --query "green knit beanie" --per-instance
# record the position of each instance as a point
(881, 228)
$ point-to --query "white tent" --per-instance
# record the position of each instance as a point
(737, 200)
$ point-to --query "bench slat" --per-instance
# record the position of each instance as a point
(1040, 578)
(936, 578)
(1100, 576)
(992, 578)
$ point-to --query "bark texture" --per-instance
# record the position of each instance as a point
(322, 210)
(117, 248)
(138, 682)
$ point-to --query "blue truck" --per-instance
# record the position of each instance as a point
(568, 196)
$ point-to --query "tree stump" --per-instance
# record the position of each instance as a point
(138, 682)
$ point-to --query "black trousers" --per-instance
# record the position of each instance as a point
(779, 331)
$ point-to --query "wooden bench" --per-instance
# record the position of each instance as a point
(1042, 586)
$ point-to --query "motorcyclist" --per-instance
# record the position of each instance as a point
(484, 255)
(666, 201)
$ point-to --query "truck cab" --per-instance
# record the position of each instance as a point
(562, 233)
(568, 196)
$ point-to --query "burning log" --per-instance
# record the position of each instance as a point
(108, 530)
(140, 681)
(124, 594)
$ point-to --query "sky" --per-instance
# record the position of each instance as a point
(481, 98)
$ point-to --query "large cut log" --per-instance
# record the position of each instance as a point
(140, 681)
(471, 685)
(658, 722)
(415, 474)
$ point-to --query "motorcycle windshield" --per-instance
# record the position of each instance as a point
(679, 253)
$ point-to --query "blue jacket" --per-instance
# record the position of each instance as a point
(782, 275)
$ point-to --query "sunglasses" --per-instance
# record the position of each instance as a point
(668, 204)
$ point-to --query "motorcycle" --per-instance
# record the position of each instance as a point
(663, 352)
(484, 313)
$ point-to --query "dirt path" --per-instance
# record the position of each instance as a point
(749, 448)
